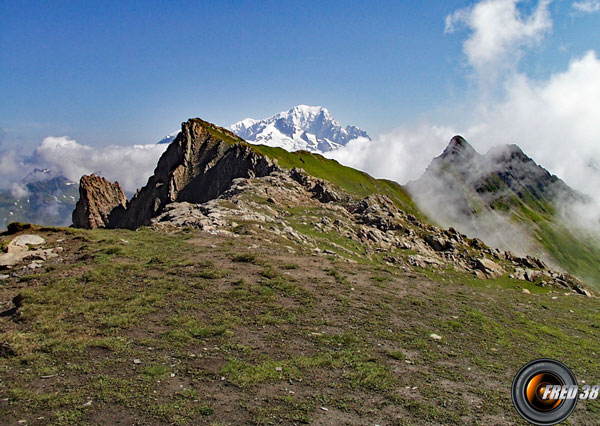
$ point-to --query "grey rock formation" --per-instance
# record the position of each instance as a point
(199, 165)
(97, 199)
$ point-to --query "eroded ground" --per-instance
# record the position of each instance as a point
(193, 328)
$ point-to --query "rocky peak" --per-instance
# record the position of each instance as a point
(459, 149)
(199, 165)
(507, 154)
(97, 199)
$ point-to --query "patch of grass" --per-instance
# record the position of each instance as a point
(371, 375)
(397, 355)
(211, 273)
(112, 250)
(290, 266)
(239, 283)
(156, 371)
(269, 272)
(246, 258)
(206, 332)
(339, 277)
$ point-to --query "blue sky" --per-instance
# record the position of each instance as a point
(78, 78)
(129, 72)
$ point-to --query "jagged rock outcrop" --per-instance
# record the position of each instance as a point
(199, 165)
(320, 189)
(97, 199)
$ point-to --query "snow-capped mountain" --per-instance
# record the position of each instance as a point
(169, 138)
(310, 128)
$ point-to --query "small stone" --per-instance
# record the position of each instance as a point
(435, 336)
(278, 369)
(324, 409)
(554, 297)
(34, 265)
(88, 404)
(4, 277)
(525, 291)
(137, 361)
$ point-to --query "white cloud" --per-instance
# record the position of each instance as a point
(18, 190)
(587, 6)
(11, 168)
(499, 33)
(556, 121)
(400, 155)
(130, 165)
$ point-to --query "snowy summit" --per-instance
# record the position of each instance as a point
(310, 128)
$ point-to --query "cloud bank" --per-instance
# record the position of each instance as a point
(130, 165)
(556, 121)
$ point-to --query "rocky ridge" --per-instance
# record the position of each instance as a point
(460, 182)
(261, 206)
(210, 179)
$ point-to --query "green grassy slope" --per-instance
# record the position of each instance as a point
(576, 252)
(350, 180)
(572, 249)
(189, 328)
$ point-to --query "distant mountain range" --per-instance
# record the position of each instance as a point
(308, 128)
(42, 197)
